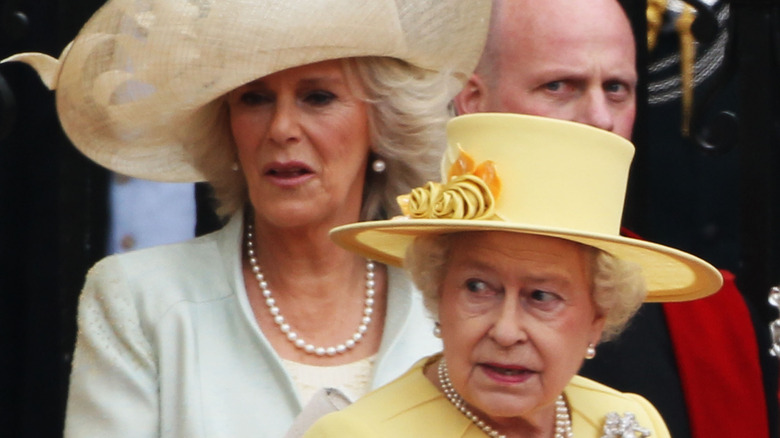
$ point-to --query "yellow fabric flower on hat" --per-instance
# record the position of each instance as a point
(470, 193)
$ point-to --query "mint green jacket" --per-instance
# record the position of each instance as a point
(168, 346)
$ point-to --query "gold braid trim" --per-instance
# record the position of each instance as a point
(687, 63)
(655, 18)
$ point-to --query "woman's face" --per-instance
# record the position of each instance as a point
(516, 317)
(303, 143)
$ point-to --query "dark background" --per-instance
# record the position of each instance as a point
(722, 206)
(51, 223)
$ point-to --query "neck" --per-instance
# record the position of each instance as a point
(302, 252)
(307, 292)
(306, 267)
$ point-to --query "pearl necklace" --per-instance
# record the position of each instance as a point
(285, 328)
(562, 418)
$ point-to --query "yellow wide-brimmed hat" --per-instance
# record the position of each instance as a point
(132, 83)
(534, 175)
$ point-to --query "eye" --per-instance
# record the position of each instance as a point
(543, 296)
(544, 304)
(254, 98)
(554, 86)
(617, 90)
(319, 98)
(562, 88)
(476, 286)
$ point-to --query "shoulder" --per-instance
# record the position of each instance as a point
(411, 388)
(590, 402)
(607, 398)
(197, 270)
(160, 264)
(403, 407)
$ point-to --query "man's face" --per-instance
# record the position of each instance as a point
(569, 62)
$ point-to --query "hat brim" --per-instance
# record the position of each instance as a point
(141, 79)
(670, 274)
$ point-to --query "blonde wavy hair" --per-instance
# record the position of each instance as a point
(617, 286)
(407, 114)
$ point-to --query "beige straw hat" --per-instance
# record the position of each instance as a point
(526, 174)
(130, 85)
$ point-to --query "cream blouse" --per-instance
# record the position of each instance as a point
(352, 379)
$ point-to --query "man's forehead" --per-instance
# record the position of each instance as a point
(549, 17)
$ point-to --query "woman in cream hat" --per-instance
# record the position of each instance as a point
(304, 115)
(520, 261)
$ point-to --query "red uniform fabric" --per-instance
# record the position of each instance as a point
(718, 360)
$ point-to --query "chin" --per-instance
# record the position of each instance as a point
(289, 214)
(503, 405)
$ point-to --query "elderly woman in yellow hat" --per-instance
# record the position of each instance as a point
(518, 256)
(304, 115)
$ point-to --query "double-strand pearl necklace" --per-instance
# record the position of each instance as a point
(562, 418)
(289, 333)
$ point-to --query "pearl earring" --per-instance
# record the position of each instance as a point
(378, 165)
(437, 330)
(590, 352)
(234, 167)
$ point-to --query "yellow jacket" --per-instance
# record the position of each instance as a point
(411, 406)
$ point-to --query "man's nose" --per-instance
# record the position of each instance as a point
(596, 111)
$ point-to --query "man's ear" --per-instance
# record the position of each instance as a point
(472, 98)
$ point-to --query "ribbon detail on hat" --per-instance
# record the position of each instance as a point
(470, 193)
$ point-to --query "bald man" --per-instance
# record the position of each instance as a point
(571, 60)
(575, 60)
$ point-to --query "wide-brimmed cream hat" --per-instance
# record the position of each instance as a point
(527, 174)
(130, 84)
